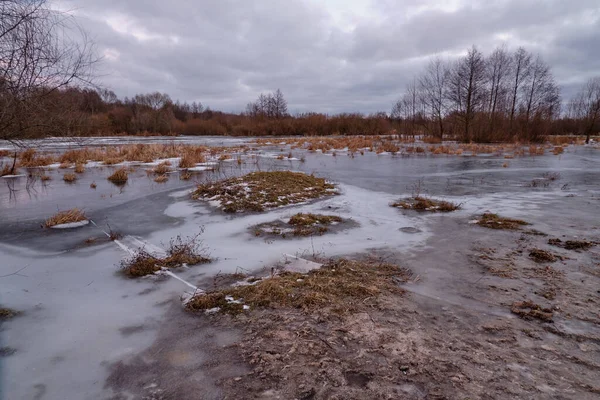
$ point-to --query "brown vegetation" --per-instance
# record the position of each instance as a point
(571, 244)
(529, 310)
(181, 251)
(162, 168)
(340, 285)
(119, 177)
(7, 313)
(161, 179)
(542, 256)
(420, 203)
(79, 168)
(494, 221)
(69, 177)
(65, 217)
(259, 191)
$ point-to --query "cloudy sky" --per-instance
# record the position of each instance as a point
(325, 55)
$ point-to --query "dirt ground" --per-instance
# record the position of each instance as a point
(451, 335)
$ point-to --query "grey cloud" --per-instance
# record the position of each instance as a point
(225, 53)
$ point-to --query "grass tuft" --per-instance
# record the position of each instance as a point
(529, 310)
(64, 217)
(69, 177)
(494, 221)
(542, 256)
(340, 284)
(421, 203)
(161, 179)
(162, 168)
(79, 168)
(259, 191)
(180, 252)
(7, 313)
(119, 177)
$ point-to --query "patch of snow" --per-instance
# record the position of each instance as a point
(70, 225)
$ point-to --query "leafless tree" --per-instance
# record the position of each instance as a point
(520, 71)
(279, 104)
(432, 86)
(542, 96)
(466, 89)
(42, 51)
(585, 107)
(498, 70)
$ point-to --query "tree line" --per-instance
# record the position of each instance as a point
(47, 89)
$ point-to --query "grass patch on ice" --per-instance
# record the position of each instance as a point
(259, 191)
(181, 251)
(571, 244)
(542, 256)
(421, 203)
(7, 313)
(161, 179)
(65, 217)
(298, 225)
(162, 168)
(119, 177)
(529, 310)
(69, 177)
(341, 285)
(494, 221)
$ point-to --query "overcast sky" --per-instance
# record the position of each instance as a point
(325, 55)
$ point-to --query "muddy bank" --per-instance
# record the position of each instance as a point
(450, 333)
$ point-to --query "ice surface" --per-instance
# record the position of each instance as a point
(70, 225)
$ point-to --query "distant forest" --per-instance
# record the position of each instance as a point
(47, 89)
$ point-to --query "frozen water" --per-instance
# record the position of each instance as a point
(75, 304)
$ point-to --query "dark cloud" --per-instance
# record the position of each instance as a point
(330, 56)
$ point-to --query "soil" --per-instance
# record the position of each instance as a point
(452, 334)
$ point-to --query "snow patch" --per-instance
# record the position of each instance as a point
(70, 225)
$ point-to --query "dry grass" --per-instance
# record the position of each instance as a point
(119, 177)
(494, 221)
(185, 175)
(93, 185)
(301, 219)
(180, 252)
(191, 158)
(161, 179)
(542, 256)
(529, 310)
(65, 217)
(65, 165)
(259, 191)
(162, 168)
(421, 203)
(6, 170)
(7, 313)
(30, 158)
(79, 168)
(571, 244)
(69, 177)
(44, 177)
(111, 155)
(341, 285)
(558, 150)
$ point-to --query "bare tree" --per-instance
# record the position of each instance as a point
(585, 107)
(466, 89)
(498, 70)
(279, 104)
(432, 87)
(42, 51)
(542, 98)
(521, 69)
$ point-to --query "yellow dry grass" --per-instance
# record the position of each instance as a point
(119, 177)
(69, 177)
(64, 217)
(340, 285)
